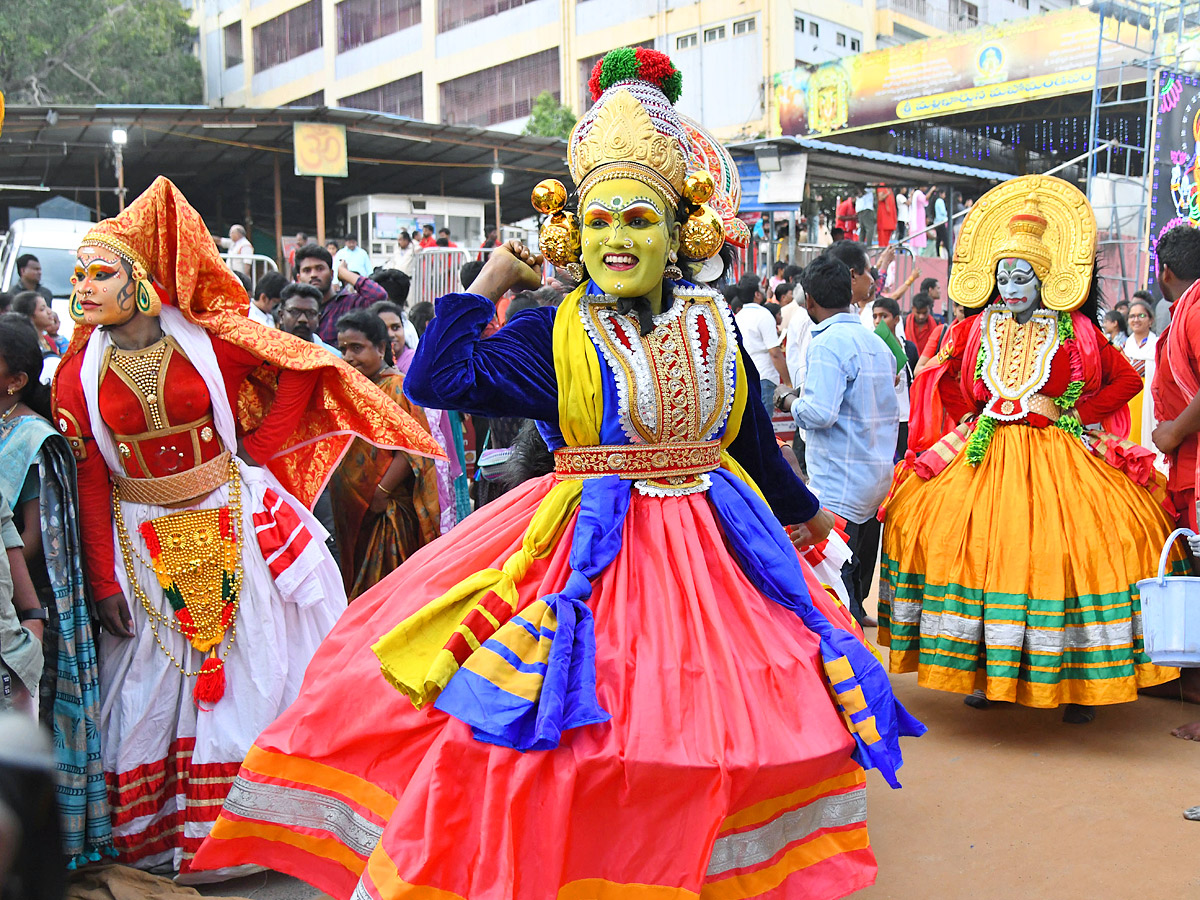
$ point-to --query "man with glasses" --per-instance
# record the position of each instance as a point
(300, 312)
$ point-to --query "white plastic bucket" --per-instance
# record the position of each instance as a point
(1171, 613)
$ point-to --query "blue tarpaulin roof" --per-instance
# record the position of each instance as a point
(830, 163)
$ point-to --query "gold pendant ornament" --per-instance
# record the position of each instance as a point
(196, 556)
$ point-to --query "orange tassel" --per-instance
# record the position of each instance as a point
(210, 683)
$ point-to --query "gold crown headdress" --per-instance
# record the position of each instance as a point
(1041, 219)
(631, 131)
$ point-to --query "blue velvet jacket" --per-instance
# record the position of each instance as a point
(512, 373)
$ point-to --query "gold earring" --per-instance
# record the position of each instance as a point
(145, 294)
(11, 390)
(673, 271)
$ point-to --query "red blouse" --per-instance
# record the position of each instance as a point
(1119, 383)
(175, 437)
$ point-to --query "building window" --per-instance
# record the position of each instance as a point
(362, 21)
(287, 36)
(317, 99)
(400, 98)
(501, 93)
(714, 34)
(800, 24)
(233, 45)
(454, 13)
(589, 62)
(855, 45)
(813, 29)
(967, 13)
(684, 41)
(841, 39)
(743, 26)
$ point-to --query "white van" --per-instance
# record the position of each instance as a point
(53, 242)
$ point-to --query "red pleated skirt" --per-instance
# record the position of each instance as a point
(725, 771)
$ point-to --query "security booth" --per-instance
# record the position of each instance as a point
(377, 219)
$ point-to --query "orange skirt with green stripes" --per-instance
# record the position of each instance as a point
(1019, 576)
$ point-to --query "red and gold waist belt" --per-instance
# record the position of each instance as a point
(172, 490)
(634, 462)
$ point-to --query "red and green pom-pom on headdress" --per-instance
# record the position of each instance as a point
(640, 64)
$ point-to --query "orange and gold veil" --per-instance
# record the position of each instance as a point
(163, 233)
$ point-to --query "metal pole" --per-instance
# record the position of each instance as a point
(96, 172)
(320, 188)
(120, 161)
(278, 214)
(496, 168)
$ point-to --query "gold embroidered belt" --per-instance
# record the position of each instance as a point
(1043, 406)
(170, 490)
(634, 462)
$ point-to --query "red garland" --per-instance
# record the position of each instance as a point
(653, 65)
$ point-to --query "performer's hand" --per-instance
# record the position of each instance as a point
(1166, 437)
(36, 628)
(814, 530)
(510, 265)
(114, 616)
(379, 501)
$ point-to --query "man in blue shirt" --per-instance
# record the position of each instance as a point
(848, 407)
(354, 256)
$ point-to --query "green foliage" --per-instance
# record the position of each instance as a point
(549, 118)
(980, 440)
(97, 51)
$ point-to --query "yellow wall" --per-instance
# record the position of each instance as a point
(775, 31)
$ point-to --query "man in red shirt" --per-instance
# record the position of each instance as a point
(919, 323)
(427, 238)
(847, 218)
(1176, 391)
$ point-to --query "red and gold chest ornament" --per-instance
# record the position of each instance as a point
(197, 557)
(631, 131)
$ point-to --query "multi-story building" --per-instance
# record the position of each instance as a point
(483, 62)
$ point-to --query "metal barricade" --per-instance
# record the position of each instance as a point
(254, 265)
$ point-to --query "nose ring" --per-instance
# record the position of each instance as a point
(628, 244)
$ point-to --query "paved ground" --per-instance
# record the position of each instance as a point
(1011, 804)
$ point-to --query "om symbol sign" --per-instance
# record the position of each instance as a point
(320, 149)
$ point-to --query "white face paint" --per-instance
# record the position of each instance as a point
(1019, 286)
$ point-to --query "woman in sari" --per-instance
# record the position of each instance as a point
(385, 504)
(1139, 350)
(37, 473)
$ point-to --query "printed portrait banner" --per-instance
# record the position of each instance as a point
(1029, 59)
(1174, 191)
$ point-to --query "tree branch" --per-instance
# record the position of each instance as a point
(82, 78)
(53, 62)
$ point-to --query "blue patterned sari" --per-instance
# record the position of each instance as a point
(70, 699)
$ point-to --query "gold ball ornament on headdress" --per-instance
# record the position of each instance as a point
(703, 234)
(1044, 220)
(699, 188)
(558, 238)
